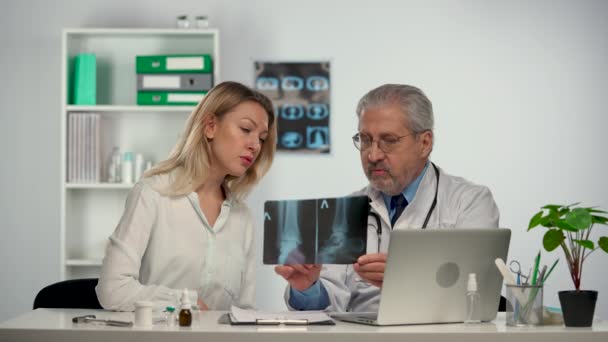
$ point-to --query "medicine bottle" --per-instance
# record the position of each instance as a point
(473, 301)
(170, 317)
(127, 168)
(139, 166)
(185, 315)
(114, 167)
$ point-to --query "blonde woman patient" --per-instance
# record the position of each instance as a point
(185, 224)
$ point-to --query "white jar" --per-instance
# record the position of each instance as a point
(143, 313)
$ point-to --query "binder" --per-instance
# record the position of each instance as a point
(173, 64)
(169, 98)
(84, 85)
(178, 82)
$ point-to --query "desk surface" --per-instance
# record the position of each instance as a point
(56, 325)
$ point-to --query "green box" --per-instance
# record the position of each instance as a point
(84, 91)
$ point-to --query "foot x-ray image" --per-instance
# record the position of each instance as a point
(315, 231)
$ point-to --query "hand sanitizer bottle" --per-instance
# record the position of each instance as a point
(473, 301)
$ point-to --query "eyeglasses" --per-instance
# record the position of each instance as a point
(386, 143)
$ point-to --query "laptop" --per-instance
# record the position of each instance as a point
(426, 276)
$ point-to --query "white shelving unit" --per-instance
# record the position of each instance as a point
(90, 211)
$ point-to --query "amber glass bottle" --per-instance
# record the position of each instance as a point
(185, 315)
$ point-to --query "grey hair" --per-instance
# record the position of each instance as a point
(413, 102)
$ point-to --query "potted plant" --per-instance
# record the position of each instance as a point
(569, 227)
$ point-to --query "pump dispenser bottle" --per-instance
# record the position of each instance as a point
(185, 315)
(473, 301)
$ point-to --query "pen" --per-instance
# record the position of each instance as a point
(541, 275)
(535, 274)
(550, 270)
(92, 318)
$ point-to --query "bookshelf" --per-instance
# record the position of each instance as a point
(90, 211)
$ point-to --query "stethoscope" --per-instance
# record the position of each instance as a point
(428, 215)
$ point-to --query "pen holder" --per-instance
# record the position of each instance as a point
(524, 305)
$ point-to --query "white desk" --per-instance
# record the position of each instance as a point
(56, 325)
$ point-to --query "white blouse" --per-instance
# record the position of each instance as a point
(165, 244)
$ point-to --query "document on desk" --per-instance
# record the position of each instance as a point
(242, 316)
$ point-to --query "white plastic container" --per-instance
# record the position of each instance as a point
(139, 166)
(143, 313)
(127, 168)
(114, 168)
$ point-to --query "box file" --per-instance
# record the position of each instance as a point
(173, 64)
(169, 98)
(178, 82)
(85, 79)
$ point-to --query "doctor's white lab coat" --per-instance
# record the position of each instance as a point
(460, 204)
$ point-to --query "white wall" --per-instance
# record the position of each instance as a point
(517, 87)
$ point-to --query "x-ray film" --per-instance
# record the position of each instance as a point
(300, 92)
(315, 231)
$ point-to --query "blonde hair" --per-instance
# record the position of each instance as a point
(189, 162)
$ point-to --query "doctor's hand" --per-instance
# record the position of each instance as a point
(201, 305)
(370, 267)
(300, 277)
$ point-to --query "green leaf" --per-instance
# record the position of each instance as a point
(563, 212)
(552, 206)
(579, 218)
(545, 221)
(561, 224)
(603, 243)
(585, 243)
(593, 210)
(552, 239)
(599, 219)
(535, 220)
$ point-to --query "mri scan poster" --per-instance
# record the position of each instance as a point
(300, 93)
(315, 231)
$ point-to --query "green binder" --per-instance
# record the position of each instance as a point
(164, 98)
(173, 64)
(85, 79)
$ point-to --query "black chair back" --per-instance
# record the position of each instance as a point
(502, 305)
(69, 294)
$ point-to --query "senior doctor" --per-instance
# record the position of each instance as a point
(407, 191)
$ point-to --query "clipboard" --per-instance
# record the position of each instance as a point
(239, 316)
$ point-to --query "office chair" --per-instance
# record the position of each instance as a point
(69, 294)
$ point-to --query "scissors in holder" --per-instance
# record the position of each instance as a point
(515, 267)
